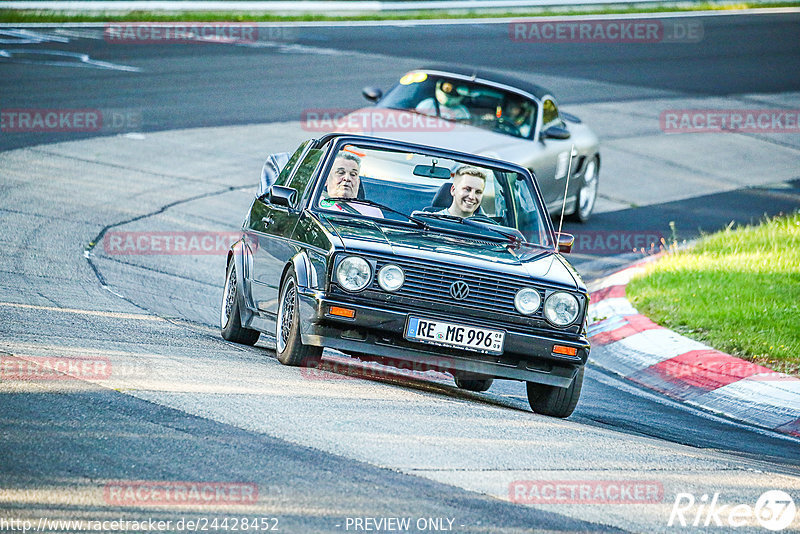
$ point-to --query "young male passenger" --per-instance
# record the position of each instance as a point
(467, 190)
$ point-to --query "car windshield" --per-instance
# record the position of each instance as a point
(466, 102)
(431, 192)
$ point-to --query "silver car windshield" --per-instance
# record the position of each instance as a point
(471, 103)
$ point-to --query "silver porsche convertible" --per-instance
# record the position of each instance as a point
(497, 116)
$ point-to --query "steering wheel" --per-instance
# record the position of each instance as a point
(505, 126)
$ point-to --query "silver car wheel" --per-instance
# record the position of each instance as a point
(588, 193)
(228, 297)
(285, 315)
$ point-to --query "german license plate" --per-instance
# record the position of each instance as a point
(455, 335)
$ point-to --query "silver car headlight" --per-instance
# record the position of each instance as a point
(391, 277)
(527, 300)
(561, 308)
(353, 273)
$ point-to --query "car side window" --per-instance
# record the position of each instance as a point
(528, 220)
(283, 177)
(305, 171)
(549, 113)
(494, 202)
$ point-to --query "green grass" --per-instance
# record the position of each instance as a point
(41, 16)
(737, 290)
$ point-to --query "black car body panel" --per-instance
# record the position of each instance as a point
(310, 242)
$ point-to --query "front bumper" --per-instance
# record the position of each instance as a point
(378, 331)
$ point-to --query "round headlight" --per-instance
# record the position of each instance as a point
(391, 277)
(527, 300)
(561, 308)
(353, 273)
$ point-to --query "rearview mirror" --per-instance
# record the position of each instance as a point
(373, 94)
(282, 196)
(432, 171)
(556, 132)
(565, 242)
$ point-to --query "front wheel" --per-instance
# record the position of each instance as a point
(288, 345)
(230, 321)
(587, 194)
(553, 400)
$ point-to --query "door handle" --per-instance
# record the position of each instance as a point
(267, 220)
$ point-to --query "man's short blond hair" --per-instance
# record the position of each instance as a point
(469, 170)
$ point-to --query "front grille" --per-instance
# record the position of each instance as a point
(431, 282)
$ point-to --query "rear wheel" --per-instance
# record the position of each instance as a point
(587, 194)
(553, 400)
(473, 382)
(288, 344)
(230, 320)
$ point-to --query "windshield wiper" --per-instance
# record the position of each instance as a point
(475, 224)
(367, 202)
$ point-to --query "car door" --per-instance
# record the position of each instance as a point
(552, 162)
(272, 226)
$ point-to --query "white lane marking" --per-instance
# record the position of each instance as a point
(19, 36)
(610, 307)
(81, 33)
(71, 59)
(95, 313)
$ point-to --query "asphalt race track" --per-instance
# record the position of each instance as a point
(196, 121)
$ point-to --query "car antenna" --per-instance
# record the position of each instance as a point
(566, 186)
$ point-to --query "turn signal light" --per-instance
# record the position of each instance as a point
(342, 312)
(561, 349)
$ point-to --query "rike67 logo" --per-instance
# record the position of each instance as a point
(774, 510)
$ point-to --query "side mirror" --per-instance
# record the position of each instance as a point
(282, 196)
(373, 94)
(565, 242)
(556, 132)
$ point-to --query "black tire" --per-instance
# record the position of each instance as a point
(587, 194)
(288, 345)
(230, 319)
(555, 401)
(473, 382)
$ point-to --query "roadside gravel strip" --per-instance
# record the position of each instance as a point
(631, 345)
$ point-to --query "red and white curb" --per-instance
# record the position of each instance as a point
(632, 346)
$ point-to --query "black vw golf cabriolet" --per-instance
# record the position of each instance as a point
(397, 253)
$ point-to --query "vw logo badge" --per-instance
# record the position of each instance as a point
(459, 290)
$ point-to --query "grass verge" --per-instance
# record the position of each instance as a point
(44, 16)
(737, 290)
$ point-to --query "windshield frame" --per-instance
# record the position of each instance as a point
(335, 143)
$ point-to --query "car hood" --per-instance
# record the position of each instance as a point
(425, 130)
(368, 236)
